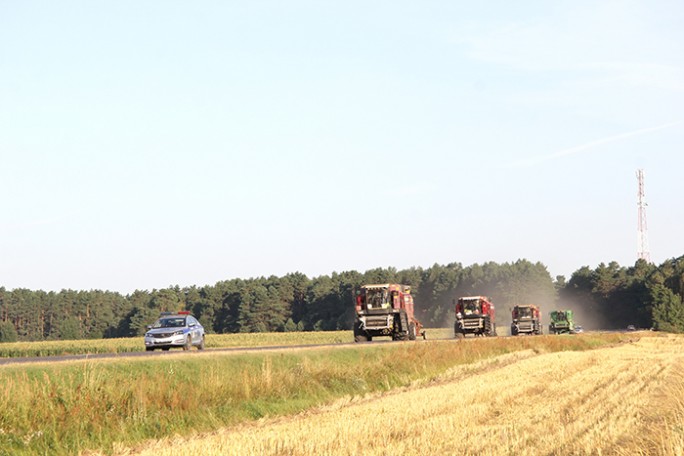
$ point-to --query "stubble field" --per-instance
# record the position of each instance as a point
(626, 399)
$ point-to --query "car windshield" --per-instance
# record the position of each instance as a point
(172, 322)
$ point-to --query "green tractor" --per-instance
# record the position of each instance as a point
(561, 322)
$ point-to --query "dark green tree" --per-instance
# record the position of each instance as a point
(668, 310)
(68, 329)
(7, 332)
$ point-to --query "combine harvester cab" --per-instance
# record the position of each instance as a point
(526, 320)
(474, 315)
(385, 310)
(561, 322)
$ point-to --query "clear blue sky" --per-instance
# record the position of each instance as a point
(148, 144)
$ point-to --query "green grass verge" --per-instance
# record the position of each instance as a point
(71, 407)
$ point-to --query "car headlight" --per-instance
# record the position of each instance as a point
(148, 335)
(178, 333)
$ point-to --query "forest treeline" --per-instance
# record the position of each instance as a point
(609, 296)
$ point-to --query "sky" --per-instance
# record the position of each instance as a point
(157, 143)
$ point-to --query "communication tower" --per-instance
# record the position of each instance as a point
(642, 249)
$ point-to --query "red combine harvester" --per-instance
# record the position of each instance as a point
(474, 315)
(526, 320)
(385, 310)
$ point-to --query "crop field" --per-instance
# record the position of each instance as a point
(397, 395)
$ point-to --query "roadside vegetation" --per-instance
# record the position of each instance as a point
(108, 405)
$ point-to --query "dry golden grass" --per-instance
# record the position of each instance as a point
(627, 399)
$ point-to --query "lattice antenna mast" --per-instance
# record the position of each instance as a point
(642, 249)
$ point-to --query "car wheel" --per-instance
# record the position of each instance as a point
(201, 344)
(166, 348)
(149, 349)
(188, 343)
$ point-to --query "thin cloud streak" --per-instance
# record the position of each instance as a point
(590, 145)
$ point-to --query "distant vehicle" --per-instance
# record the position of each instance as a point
(561, 322)
(474, 315)
(175, 330)
(526, 320)
(631, 328)
(578, 329)
(385, 310)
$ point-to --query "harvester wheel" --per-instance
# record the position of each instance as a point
(487, 329)
(412, 331)
(359, 337)
(359, 334)
(460, 335)
(403, 322)
(401, 327)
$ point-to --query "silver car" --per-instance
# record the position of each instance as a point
(175, 330)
